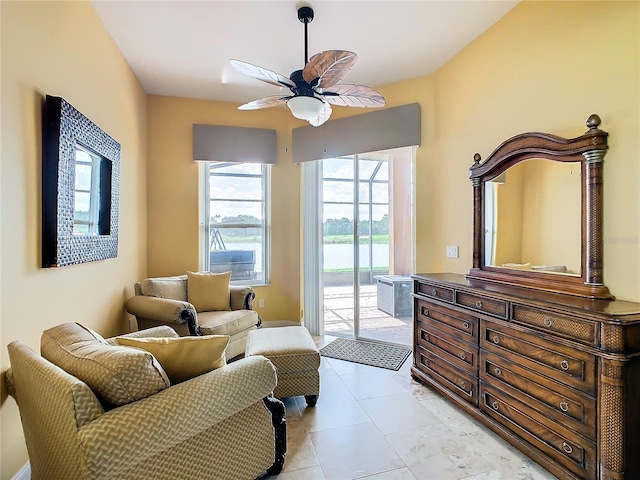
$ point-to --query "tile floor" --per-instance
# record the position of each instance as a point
(380, 424)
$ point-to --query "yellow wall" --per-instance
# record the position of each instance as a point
(173, 196)
(62, 49)
(546, 66)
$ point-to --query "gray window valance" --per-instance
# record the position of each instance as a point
(379, 130)
(220, 143)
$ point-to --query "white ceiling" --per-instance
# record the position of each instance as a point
(182, 48)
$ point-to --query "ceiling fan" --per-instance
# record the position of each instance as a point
(314, 88)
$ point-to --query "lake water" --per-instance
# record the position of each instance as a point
(341, 256)
(335, 255)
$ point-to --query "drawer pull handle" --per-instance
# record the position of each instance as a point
(463, 356)
(424, 312)
(496, 340)
(498, 371)
(425, 362)
(425, 336)
(564, 365)
(434, 292)
(463, 385)
(466, 325)
(495, 405)
(547, 321)
(564, 406)
(478, 304)
(567, 448)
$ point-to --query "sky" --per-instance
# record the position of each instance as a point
(236, 188)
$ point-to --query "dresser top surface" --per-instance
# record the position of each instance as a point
(617, 308)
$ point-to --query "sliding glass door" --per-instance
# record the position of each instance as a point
(339, 246)
(358, 245)
(355, 206)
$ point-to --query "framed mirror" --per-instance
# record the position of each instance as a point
(537, 202)
(80, 182)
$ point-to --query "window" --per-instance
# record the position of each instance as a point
(235, 226)
(490, 215)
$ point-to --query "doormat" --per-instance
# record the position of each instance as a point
(368, 353)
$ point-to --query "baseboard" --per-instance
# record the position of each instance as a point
(280, 323)
(24, 473)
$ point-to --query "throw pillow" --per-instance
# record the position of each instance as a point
(519, 266)
(117, 375)
(184, 357)
(208, 291)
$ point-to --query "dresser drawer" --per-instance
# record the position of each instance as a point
(557, 403)
(459, 324)
(458, 381)
(461, 354)
(562, 325)
(567, 448)
(434, 291)
(490, 306)
(564, 364)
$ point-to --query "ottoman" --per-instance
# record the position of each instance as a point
(295, 356)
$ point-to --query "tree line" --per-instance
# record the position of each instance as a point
(333, 226)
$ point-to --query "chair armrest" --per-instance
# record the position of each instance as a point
(162, 331)
(68, 400)
(241, 297)
(153, 332)
(159, 309)
(161, 421)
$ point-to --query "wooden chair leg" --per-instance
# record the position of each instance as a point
(276, 407)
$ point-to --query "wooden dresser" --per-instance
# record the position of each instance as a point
(557, 376)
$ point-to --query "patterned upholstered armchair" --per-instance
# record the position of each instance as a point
(164, 301)
(220, 425)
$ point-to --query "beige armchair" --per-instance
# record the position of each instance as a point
(163, 301)
(220, 425)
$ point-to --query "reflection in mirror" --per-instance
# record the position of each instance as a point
(533, 217)
(86, 193)
(89, 199)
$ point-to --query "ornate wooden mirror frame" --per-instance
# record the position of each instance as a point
(589, 149)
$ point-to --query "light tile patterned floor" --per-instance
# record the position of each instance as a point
(380, 424)
(374, 324)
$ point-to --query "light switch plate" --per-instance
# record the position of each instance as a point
(452, 251)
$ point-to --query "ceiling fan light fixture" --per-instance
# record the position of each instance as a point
(305, 107)
(316, 86)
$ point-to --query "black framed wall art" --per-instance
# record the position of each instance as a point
(80, 187)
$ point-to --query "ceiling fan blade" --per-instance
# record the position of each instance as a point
(264, 102)
(328, 68)
(353, 96)
(262, 74)
(323, 116)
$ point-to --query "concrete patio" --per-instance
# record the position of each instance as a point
(374, 323)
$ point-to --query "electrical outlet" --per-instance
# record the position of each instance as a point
(261, 303)
(452, 251)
